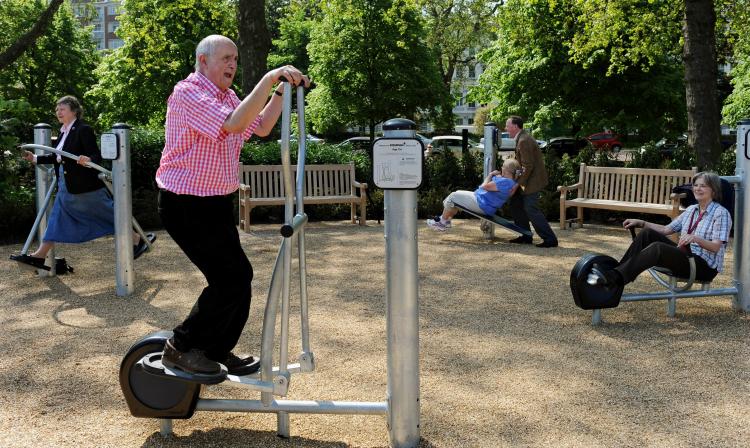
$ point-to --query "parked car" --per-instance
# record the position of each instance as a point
(728, 139)
(357, 143)
(566, 145)
(451, 143)
(605, 140)
(506, 143)
(309, 137)
(667, 145)
(425, 141)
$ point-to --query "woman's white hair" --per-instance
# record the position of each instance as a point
(207, 46)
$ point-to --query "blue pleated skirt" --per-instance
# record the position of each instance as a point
(76, 218)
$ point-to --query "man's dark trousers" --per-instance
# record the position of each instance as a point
(525, 208)
(204, 229)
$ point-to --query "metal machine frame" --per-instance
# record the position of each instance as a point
(741, 274)
(402, 403)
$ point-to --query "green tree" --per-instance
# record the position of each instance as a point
(61, 62)
(28, 38)
(635, 34)
(455, 29)
(370, 63)
(531, 71)
(159, 38)
(295, 27)
(737, 105)
(254, 41)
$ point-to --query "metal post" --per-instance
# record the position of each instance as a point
(490, 161)
(43, 136)
(282, 418)
(165, 427)
(306, 355)
(121, 190)
(402, 301)
(741, 229)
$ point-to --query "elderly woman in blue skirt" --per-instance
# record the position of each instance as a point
(83, 209)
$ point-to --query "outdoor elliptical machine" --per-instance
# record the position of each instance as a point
(588, 295)
(153, 391)
(115, 146)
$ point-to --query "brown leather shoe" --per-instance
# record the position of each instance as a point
(192, 361)
(241, 365)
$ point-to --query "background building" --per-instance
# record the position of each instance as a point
(464, 110)
(102, 15)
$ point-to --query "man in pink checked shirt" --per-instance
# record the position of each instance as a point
(197, 176)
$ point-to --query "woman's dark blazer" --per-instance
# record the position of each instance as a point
(81, 141)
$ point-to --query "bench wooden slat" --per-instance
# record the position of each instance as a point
(624, 189)
(323, 184)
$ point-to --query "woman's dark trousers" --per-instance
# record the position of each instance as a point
(650, 248)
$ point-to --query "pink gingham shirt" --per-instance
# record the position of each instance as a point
(200, 158)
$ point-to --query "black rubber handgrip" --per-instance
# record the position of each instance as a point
(282, 78)
(287, 231)
(632, 232)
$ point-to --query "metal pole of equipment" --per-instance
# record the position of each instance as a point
(306, 357)
(43, 136)
(121, 190)
(402, 301)
(741, 229)
(490, 161)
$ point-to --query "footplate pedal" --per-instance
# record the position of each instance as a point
(151, 363)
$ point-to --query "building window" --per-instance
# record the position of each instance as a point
(459, 121)
(112, 27)
(472, 104)
(472, 72)
(471, 121)
(115, 43)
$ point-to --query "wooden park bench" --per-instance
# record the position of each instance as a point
(324, 184)
(637, 190)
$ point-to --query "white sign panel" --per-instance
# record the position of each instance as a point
(109, 148)
(397, 163)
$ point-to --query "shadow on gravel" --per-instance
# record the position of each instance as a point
(244, 438)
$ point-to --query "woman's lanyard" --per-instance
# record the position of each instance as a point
(691, 226)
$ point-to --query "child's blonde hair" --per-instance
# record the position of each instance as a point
(513, 167)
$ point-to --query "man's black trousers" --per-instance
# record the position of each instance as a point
(204, 229)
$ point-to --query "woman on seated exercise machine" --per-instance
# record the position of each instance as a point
(489, 197)
(704, 231)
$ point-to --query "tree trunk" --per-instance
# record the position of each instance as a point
(254, 42)
(29, 38)
(701, 74)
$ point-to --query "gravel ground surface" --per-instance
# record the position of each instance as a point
(506, 357)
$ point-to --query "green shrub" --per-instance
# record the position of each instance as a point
(146, 146)
(727, 162)
(17, 182)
